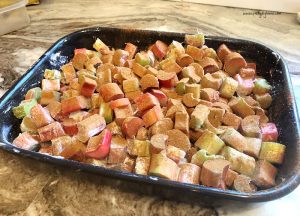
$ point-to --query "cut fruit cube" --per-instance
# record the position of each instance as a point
(161, 126)
(240, 107)
(111, 91)
(269, 132)
(51, 131)
(167, 79)
(119, 57)
(230, 177)
(208, 81)
(122, 113)
(145, 102)
(52, 74)
(189, 173)
(158, 143)
(66, 147)
(230, 119)
(264, 174)
(261, 86)
(253, 146)
(34, 93)
(88, 87)
(70, 126)
(152, 115)
(163, 167)
(50, 85)
(223, 51)
(201, 156)
(210, 142)
(100, 46)
(49, 96)
(54, 109)
(89, 127)
(142, 134)
(215, 116)
(68, 72)
(119, 103)
(182, 122)
(193, 88)
(131, 125)
(28, 125)
(196, 40)
(209, 65)
(233, 62)
(243, 183)
(138, 69)
(174, 153)
(198, 116)
(190, 72)
(234, 139)
(228, 87)
(209, 94)
(26, 141)
(24, 108)
(142, 165)
(178, 139)
(133, 95)
(73, 104)
(131, 49)
(106, 112)
(170, 66)
(250, 126)
(40, 116)
(149, 81)
(130, 85)
(272, 152)
(184, 60)
(264, 100)
(189, 100)
(245, 86)
(140, 148)
(162, 98)
(196, 53)
(142, 58)
(79, 60)
(159, 49)
(98, 146)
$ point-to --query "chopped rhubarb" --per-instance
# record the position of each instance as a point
(131, 125)
(119, 103)
(40, 116)
(111, 91)
(159, 49)
(98, 147)
(167, 80)
(70, 126)
(88, 87)
(51, 131)
(152, 115)
(25, 141)
(73, 104)
(50, 85)
(131, 49)
(145, 101)
(269, 132)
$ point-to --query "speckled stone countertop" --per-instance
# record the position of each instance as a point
(28, 187)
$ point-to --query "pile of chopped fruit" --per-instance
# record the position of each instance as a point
(183, 112)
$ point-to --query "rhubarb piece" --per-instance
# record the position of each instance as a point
(102, 78)
(70, 126)
(261, 86)
(245, 86)
(108, 58)
(111, 91)
(198, 69)
(79, 115)
(26, 141)
(88, 87)
(190, 72)
(264, 174)
(24, 108)
(167, 79)
(169, 65)
(142, 134)
(142, 165)
(198, 116)
(209, 94)
(131, 125)
(197, 40)
(133, 95)
(272, 152)
(131, 85)
(68, 72)
(193, 88)
(201, 156)
(149, 81)
(182, 122)
(244, 184)
(232, 120)
(162, 98)
(234, 139)
(119, 57)
(145, 102)
(250, 126)
(92, 62)
(174, 153)
(73, 104)
(34, 93)
(223, 51)
(106, 112)
(253, 146)
(264, 100)
(28, 125)
(178, 139)
(196, 53)
(131, 49)
(240, 162)
(79, 60)
(269, 132)
(210, 142)
(228, 87)
(142, 58)
(98, 147)
(159, 49)
(247, 73)
(118, 152)
(195, 134)
(138, 69)
(184, 60)
(122, 113)
(95, 101)
(52, 74)
(208, 81)
(40, 116)
(119, 103)
(189, 100)
(209, 65)
(140, 148)
(161, 126)
(50, 85)
(158, 143)
(89, 127)
(66, 147)
(152, 115)
(215, 116)
(189, 173)
(180, 86)
(163, 167)
(213, 173)
(49, 96)
(233, 62)
(230, 177)
(51, 131)
(240, 107)
(100, 46)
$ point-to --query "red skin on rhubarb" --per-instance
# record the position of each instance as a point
(70, 126)
(131, 49)
(40, 116)
(145, 101)
(88, 87)
(162, 97)
(99, 147)
(73, 104)
(51, 131)
(159, 49)
(119, 103)
(152, 115)
(111, 91)
(167, 80)
(25, 141)
(269, 132)
(131, 125)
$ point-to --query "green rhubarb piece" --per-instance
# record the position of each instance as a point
(272, 152)
(197, 40)
(228, 87)
(198, 116)
(209, 81)
(35, 93)
(180, 87)
(142, 58)
(240, 162)
(83, 74)
(99, 45)
(193, 88)
(202, 155)
(240, 107)
(261, 86)
(211, 53)
(24, 108)
(140, 148)
(52, 74)
(264, 100)
(210, 142)
(28, 125)
(106, 112)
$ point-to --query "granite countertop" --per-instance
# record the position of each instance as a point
(29, 187)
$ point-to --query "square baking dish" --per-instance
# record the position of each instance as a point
(269, 64)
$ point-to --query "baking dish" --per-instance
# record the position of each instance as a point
(269, 64)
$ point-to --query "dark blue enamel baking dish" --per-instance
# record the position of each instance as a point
(269, 64)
